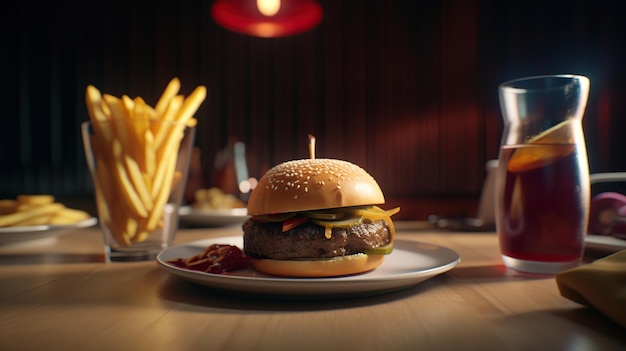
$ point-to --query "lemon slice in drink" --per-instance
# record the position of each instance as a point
(547, 147)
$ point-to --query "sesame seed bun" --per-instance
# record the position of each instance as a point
(313, 184)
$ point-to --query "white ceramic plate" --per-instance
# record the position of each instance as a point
(213, 218)
(604, 242)
(9, 235)
(409, 264)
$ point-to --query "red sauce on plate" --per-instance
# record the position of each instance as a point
(216, 259)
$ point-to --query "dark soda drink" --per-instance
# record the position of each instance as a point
(542, 202)
(542, 184)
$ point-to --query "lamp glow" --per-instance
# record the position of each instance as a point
(267, 18)
(268, 7)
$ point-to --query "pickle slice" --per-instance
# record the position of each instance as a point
(324, 215)
(376, 213)
(344, 223)
(383, 250)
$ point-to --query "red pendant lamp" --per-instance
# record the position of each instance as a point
(267, 18)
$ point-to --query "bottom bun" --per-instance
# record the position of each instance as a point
(331, 267)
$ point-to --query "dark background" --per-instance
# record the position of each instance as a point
(406, 89)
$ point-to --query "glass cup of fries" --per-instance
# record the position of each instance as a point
(138, 156)
(139, 169)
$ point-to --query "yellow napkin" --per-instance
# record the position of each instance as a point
(601, 284)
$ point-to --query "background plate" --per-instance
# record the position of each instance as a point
(10, 235)
(409, 264)
(604, 242)
(212, 218)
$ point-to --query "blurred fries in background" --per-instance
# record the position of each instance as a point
(216, 199)
(30, 210)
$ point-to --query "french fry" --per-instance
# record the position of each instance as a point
(7, 206)
(170, 115)
(191, 104)
(141, 116)
(170, 91)
(108, 218)
(102, 206)
(165, 154)
(34, 199)
(96, 113)
(192, 122)
(38, 220)
(216, 198)
(128, 191)
(149, 154)
(141, 233)
(28, 207)
(109, 207)
(173, 108)
(162, 196)
(120, 118)
(146, 111)
(117, 224)
(139, 183)
(129, 104)
(131, 228)
(68, 216)
(31, 210)
(29, 216)
(137, 156)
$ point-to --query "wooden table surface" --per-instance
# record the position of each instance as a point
(60, 295)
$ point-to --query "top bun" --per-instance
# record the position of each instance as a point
(313, 184)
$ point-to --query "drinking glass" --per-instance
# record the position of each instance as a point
(139, 169)
(542, 181)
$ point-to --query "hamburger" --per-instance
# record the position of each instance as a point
(317, 218)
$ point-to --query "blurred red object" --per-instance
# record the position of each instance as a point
(607, 214)
(267, 18)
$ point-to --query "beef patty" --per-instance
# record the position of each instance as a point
(266, 240)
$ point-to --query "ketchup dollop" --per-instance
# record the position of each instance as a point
(216, 259)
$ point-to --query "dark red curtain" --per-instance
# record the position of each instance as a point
(406, 89)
